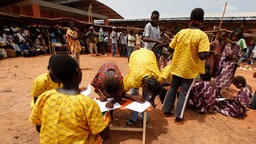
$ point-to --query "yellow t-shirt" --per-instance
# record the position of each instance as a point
(42, 83)
(187, 44)
(142, 63)
(67, 119)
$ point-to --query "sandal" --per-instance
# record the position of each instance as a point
(129, 123)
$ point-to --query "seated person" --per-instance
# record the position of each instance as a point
(235, 106)
(66, 115)
(26, 50)
(40, 43)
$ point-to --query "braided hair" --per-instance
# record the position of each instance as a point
(63, 67)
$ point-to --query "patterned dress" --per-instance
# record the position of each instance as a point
(203, 95)
(227, 67)
(237, 107)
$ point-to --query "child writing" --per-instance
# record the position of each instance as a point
(66, 115)
(108, 83)
(235, 106)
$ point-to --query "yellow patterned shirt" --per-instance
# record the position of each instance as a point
(142, 63)
(187, 44)
(42, 83)
(67, 119)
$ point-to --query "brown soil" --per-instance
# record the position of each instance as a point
(17, 76)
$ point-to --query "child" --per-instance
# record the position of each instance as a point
(66, 115)
(235, 106)
(43, 83)
(108, 83)
(191, 47)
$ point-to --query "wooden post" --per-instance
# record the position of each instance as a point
(221, 20)
(36, 10)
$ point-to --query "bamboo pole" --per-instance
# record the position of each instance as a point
(224, 10)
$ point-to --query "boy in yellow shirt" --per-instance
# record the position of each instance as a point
(191, 47)
(66, 115)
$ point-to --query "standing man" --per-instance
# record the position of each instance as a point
(113, 36)
(91, 34)
(152, 33)
(101, 40)
(73, 41)
(191, 47)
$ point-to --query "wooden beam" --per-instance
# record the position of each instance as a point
(56, 7)
(68, 9)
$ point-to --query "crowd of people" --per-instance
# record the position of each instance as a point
(199, 74)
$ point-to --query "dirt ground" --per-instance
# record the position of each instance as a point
(17, 76)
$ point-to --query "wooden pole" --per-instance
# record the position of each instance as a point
(221, 20)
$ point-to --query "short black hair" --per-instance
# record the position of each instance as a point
(112, 85)
(155, 12)
(197, 14)
(238, 31)
(153, 85)
(239, 79)
(64, 67)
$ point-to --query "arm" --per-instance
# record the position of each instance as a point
(105, 133)
(203, 55)
(136, 98)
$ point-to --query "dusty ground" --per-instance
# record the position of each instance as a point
(16, 79)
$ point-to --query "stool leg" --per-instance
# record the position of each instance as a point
(144, 128)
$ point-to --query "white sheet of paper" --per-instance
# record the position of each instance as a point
(139, 107)
(220, 99)
(88, 91)
(103, 107)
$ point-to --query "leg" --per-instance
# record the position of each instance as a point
(134, 114)
(91, 48)
(171, 95)
(95, 48)
(183, 96)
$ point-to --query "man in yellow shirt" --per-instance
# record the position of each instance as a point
(191, 47)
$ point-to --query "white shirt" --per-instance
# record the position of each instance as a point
(153, 33)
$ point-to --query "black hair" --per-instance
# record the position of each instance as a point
(64, 67)
(153, 85)
(197, 14)
(50, 62)
(239, 79)
(112, 85)
(155, 12)
(239, 31)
